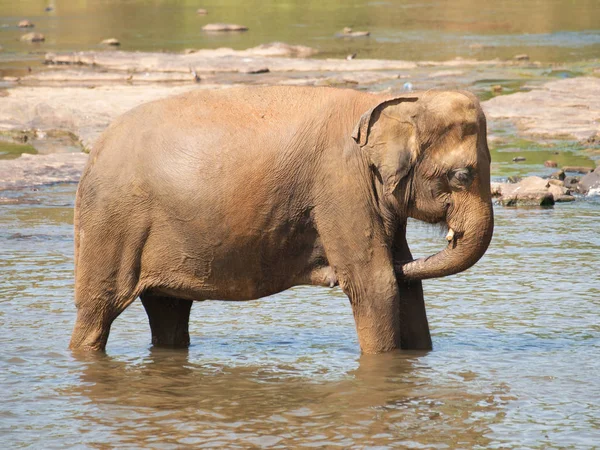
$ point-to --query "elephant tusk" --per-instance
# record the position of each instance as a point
(450, 235)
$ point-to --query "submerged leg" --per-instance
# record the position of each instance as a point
(169, 319)
(93, 322)
(414, 326)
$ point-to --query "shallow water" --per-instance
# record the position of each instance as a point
(515, 360)
(549, 30)
(516, 339)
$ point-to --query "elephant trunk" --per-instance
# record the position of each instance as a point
(469, 237)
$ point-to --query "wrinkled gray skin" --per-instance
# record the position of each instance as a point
(242, 193)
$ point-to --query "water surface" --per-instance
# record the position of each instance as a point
(549, 30)
(515, 360)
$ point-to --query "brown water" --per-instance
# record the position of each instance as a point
(516, 339)
(515, 361)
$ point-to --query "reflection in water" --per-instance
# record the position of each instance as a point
(388, 399)
(514, 363)
(558, 30)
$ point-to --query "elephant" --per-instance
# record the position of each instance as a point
(240, 193)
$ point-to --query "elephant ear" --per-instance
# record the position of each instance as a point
(388, 133)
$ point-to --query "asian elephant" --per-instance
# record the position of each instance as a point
(241, 193)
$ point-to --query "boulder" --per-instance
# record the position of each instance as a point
(522, 57)
(519, 158)
(571, 182)
(589, 182)
(554, 182)
(531, 191)
(33, 37)
(550, 163)
(539, 198)
(201, 12)
(25, 24)
(558, 175)
(224, 27)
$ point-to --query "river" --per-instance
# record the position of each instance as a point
(516, 338)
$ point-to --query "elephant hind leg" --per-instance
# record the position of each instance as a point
(93, 322)
(169, 320)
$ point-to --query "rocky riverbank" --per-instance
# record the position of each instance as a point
(81, 93)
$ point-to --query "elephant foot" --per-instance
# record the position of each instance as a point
(169, 320)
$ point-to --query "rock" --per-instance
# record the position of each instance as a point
(496, 189)
(522, 57)
(496, 88)
(224, 27)
(557, 191)
(33, 37)
(556, 182)
(519, 158)
(550, 163)
(25, 24)
(540, 198)
(530, 191)
(350, 57)
(253, 70)
(35, 170)
(110, 41)
(514, 179)
(558, 175)
(589, 182)
(347, 32)
(564, 198)
(578, 169)
(571, 182)
(558, 109)
(201, 12)
(283, 49)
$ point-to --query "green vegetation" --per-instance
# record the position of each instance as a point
(11, 150)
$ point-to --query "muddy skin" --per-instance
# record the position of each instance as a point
(243, 193)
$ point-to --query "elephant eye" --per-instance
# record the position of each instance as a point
(461, 177)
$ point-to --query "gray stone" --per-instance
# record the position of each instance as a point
(539, 198)
(571, 182)
(589, 182)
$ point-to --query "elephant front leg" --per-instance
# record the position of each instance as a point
(414, 326)
(375, 306)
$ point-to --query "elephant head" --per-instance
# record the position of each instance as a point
(431, 162)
